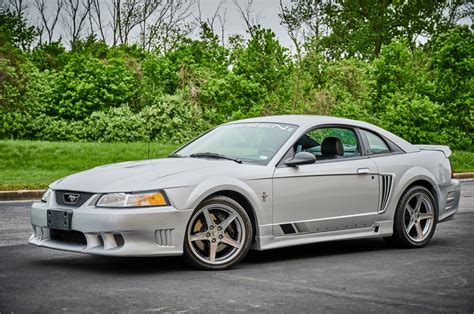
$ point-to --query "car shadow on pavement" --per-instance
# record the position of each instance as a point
(118, 265)
(141, 265)
(317, 250)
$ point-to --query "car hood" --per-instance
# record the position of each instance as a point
(138, 175)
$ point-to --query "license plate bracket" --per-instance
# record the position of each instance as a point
(59, 219)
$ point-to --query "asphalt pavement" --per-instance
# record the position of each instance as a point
(344, 276)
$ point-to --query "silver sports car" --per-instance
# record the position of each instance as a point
(259, 183)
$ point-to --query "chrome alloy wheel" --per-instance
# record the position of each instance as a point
(418, 217)
(216, 234)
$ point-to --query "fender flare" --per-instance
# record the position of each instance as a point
(416, 174)
(224, 183)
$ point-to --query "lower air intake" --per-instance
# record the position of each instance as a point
(164, 237)
(70, 236)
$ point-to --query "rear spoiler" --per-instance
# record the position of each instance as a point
(441, 148)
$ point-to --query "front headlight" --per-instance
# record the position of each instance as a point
(137, 199)
(46, 195)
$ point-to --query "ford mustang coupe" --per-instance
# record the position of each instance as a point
(258, 183)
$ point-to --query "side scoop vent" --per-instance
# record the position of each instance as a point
(386, 182)
(287, 228)
(164, 237)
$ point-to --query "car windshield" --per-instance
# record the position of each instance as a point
(254, 142)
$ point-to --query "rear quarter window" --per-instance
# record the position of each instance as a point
(376, 145)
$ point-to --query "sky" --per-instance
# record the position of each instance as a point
(264, 11)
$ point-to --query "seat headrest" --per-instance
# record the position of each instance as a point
(332, 146)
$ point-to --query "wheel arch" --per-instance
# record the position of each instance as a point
(244, 202)
(232, 188)
(425, 180)
(400, 235)
(426, 184)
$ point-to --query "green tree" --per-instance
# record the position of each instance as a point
(51, 56)
(266, 62)
(87, 84)
(359, 28)
(14, 30)
(453, 67)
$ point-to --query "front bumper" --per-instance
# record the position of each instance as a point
(452, 201)
(153, 231)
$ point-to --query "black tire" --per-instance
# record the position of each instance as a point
(194, 251)
(403, 238)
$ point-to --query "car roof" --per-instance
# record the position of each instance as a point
(309, 121)
(300, 120)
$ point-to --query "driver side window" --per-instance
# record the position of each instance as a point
(329, 143)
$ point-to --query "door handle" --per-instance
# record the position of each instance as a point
(363, 171)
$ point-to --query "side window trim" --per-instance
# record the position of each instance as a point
(359, 137)
(392, 147)
(365, 141)
(362, 143)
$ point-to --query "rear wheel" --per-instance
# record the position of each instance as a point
(219, 234)
(415, 219)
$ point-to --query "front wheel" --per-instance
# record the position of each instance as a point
(415, 219)
(219, 234)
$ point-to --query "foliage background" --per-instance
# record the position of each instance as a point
(110, 93)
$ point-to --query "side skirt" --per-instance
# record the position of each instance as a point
(267, 242)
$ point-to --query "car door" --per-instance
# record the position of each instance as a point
(337, 192)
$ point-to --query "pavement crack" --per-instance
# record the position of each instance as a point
(329, 292)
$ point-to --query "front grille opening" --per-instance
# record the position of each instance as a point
(68, 236)
(101, 240)
(119, 240)
(80, 198)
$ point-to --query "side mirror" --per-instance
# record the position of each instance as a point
(301, 158)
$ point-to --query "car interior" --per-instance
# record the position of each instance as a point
(328, 143)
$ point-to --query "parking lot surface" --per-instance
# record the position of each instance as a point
(344, 276)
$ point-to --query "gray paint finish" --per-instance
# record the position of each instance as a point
(325, 201)
(357, 276)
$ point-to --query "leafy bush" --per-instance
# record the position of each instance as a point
(419, 119)
(49, 56)
(87, 84)
(453, 64)
(171, 119)
(12, 85)
(60, 130)
(116, 125)
(99, 93)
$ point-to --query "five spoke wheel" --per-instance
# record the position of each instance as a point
(415, 218)
(217, 234)
(418, 217)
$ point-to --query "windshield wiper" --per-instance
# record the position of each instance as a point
(176, 155)
(214, 155)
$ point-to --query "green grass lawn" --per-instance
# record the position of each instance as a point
(35, 164)
(462, 161)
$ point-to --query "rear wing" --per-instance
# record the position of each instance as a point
(441, 148)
